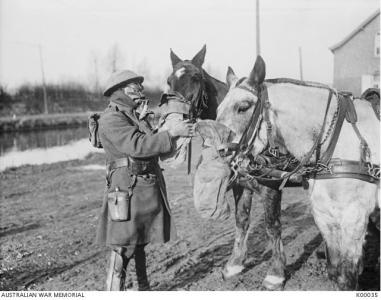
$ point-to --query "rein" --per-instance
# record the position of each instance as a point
(197, 106)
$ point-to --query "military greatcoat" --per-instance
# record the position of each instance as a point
(122, 134)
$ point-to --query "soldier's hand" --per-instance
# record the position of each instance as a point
(184, 129)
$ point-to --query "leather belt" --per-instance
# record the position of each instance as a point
(136, 167)
(118, 163)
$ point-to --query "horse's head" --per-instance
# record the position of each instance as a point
(236, 109)
(186, 77)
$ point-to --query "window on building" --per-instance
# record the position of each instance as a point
(377, 45)
(370, 81)
(376, 80)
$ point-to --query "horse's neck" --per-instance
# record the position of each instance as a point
(216, 91)
(298, 115)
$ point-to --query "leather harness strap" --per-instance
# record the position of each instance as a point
(365, 151)
(342, 108)
(337, 168)
(273, 149)
(348, 169)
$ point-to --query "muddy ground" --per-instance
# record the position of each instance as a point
(48, 222)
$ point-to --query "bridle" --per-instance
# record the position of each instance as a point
(245, 145)
(261, 113)
(199, 103)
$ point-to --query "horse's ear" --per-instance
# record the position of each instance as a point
(257, 75)
(199, 58)
(231, 78)
(174, 58)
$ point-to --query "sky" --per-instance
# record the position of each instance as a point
(77, 37)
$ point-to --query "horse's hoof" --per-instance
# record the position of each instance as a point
(230, 271)
(273, 282)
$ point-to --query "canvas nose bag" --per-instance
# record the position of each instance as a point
(174, 108)
(210, 186)
(180, 148)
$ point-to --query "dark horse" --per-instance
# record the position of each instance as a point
(205, 93)
(192, 94)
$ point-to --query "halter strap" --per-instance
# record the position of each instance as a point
(261, 112)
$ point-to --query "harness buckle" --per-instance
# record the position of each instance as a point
(373, 170)
(274, 151)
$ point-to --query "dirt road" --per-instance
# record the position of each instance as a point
(48, 222)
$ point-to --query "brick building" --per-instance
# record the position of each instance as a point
(357, 58)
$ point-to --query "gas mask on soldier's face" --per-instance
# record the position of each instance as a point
(135, 92)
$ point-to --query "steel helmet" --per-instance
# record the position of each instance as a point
(120, 79)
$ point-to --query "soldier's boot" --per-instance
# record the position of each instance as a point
(141, 269)
(116, 275)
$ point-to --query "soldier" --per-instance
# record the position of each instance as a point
(135, 209)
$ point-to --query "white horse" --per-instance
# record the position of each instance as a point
(300, 120)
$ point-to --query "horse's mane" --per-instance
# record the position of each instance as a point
(299, 82)
(216, 91)
(215, 79)
(216, 87)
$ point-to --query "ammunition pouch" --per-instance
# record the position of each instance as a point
(93, 127)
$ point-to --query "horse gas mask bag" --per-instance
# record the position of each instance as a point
(213, 173)
(174, 109)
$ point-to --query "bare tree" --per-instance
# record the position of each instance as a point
(94, 77)
(115, 58)
(143, 67)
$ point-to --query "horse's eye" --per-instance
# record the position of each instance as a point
(196, 77)
(243, 106)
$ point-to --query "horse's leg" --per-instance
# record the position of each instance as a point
(341, 208)
(271, 199)
(235, 264)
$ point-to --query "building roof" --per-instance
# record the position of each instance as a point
(354, 32)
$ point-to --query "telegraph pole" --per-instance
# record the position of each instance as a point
(96, 74)
(300, 63)
(258, 29)
(43, 81)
